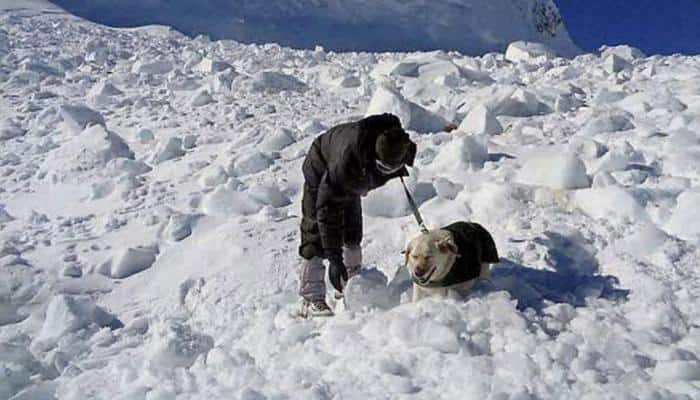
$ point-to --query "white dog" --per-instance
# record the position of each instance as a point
(453, 257)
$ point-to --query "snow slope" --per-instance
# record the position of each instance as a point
(469, 26)
(149, 211)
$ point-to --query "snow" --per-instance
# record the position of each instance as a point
(528, 52)
(556, 171)
(132, 207)
(130, 261)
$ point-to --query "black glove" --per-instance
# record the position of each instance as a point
(337, 273)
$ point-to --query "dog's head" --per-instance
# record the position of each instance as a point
(430, 256)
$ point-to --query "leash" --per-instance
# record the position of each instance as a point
(414, 208)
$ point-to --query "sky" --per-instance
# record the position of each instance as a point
(654, 26)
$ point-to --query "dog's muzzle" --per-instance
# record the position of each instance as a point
(423, 280)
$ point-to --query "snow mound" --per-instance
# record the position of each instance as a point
(173, 344)
(411, 115)
(201, 98)
(528, 52)
(213, 176)
(515, 102)
(627, 53)
(556, 171)
(612, 63)
(480, 121)
(78, 117)
(608, 122)
(269, 195)
(5, 217)
(68, 314)
(686, 210)
(91, 149)
(104, 88)
(130, 261)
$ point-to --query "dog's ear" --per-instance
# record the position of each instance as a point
(447, 247)
(406, 253)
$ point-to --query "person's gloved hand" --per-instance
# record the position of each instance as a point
(337, 273)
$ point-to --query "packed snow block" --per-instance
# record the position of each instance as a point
(390, 200)
(226, 202)
(179, 226)
(144, 136)
(480, 121)
(201, 98)
(686, 210)
(608, 122)
(405, 68)
(10, 129)
(446, 189)
(211, 66)
(612, 203)
(120, 167)
(276, 81)
(67, 314)
(173, 344)
(249, 163)
(104, 88)
(515, 102)
(213, 176)
(528, 52)
(556, 171)
(411, 115)
(444, 71)
(368, 289)
(5, 217)
(312, 127)
(277, 140)
(168, 150)
(222, 82)
(269, 195)
(78, 117)
(158, 67)
(462, 152)
(627, 53)
(677, 370)
(131, 261)
(613, 64)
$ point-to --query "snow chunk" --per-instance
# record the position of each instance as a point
(686, 210)
(276, 81)
(464, 152)
(677, 370)
(424, 333)
(277, 140)
(104, 88)
(368, 289)
(132, 260)
(179, 226)
(411, 115)
(446, 189)
(610, 202)
(269, 195)
(249, 163)
(515, 102)
(145, 136)
(390, 201)
(608, 122)
(67, 314)
(159, 67)
(528, 52)
(480, 121)
(202, 98)
(556, 171)
(168, 150)
(173, 344)
(226, 202)
(613, 63)
(627, 53)
(213, 176)
(210, 66)
(78, 116)
(5, 217)
(126, 167)
(10, 129)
